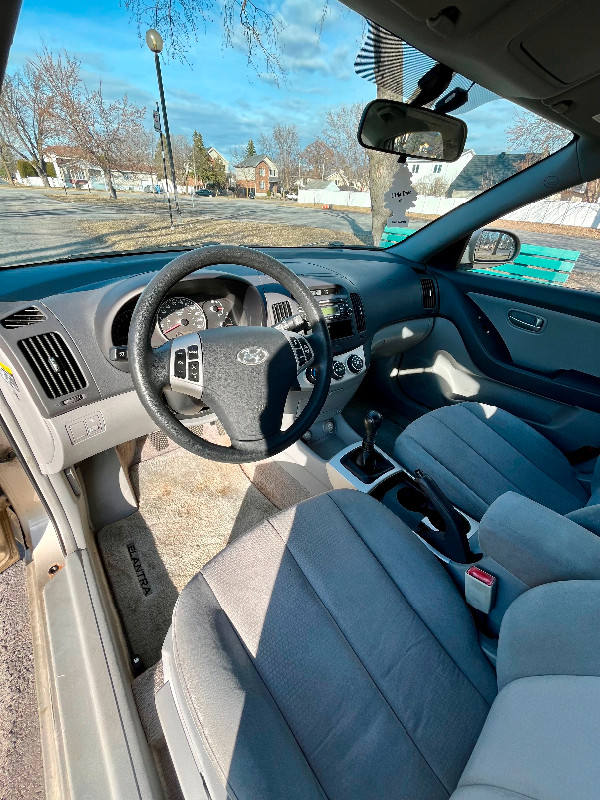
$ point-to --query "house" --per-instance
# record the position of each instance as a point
(483, 172)
(435, 177)
(214, 155)
(338, 177)
(312, 184)
(256, 176)
(73, 167)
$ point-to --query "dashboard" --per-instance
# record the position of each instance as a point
(64, 328)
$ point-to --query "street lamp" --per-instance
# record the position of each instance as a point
(155, 43)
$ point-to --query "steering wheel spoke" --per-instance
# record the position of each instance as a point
(303, 352)
(185, 365)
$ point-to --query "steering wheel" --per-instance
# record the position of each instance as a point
(243, 374)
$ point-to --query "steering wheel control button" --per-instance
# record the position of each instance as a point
(311, 375)
(193, 352)
(338, 370)
(194, 371)
(179, 368)
(355, 364)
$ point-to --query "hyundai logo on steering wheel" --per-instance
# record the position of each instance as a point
(252, 356)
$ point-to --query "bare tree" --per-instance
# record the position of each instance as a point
(28, 112)
(432, 185)
(182, 150)
(318, 160)
(179, 21)
(283, 147)
(341, 125)
(535, 136)
(108, 134)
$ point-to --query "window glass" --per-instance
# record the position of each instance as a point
(560, 241)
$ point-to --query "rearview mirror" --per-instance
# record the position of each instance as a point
(493, 247)
(393, 127)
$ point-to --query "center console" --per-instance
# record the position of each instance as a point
(416, 499)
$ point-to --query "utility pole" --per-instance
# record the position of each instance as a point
(157, 127)
(155, 43)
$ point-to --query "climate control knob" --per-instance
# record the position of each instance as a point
(355, 363)
(338, 370)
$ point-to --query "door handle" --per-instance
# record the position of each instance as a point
(526, 321)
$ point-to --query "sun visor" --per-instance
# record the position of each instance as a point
(560, 42)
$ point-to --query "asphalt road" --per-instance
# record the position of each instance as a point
(35, 227)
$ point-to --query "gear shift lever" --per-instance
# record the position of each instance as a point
(372, 423)
(365, 462)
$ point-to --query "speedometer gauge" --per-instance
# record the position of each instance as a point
(180, 315)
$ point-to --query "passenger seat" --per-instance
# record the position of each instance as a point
(477, 452)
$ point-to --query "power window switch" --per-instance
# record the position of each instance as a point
(480, 589)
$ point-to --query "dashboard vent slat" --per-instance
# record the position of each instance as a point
(27, 316)
(53, 364)
(281, 311)
(428, 293)
(359, 312)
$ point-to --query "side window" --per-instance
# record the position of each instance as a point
(560, 241)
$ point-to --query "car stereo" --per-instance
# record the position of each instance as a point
(336, 310)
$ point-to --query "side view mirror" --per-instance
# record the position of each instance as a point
(393, 127)
(490, 246)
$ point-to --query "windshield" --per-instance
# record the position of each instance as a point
(253, 141)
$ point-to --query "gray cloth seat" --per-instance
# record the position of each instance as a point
(477, 452)
(327, 654)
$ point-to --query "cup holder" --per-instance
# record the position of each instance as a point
(413, 499)
(402, 496)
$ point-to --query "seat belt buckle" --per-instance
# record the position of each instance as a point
(480, 589)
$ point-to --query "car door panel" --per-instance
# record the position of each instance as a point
(472, 354)
(440, 371)
(542, 339)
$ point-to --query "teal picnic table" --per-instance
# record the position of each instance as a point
(541, 264)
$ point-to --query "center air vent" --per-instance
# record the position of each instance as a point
(359, 312)
(27, 316)
(281, 311)
(428, 293)
(53, 364)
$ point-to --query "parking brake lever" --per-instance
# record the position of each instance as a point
(452, 542)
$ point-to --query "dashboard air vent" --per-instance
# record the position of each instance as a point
(281, 311)
(359, 312)
(428, 293)
(53, 364)
(27, 316)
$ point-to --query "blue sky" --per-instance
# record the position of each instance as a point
(217, 92)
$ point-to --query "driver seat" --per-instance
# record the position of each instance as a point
(327, 654)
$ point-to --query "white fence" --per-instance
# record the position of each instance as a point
(559, 212)
(328, 197)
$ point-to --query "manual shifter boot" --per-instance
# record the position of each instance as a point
(365, 462)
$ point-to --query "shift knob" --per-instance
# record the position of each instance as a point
(372, 422)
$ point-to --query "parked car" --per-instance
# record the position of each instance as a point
(291, 196)
(204, 193)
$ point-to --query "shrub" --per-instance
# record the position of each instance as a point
(27, 170)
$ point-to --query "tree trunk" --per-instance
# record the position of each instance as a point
(40, 168)
(382, 168)
(5, 165)
(109, 184)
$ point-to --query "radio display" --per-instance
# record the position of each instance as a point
(329, 311)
